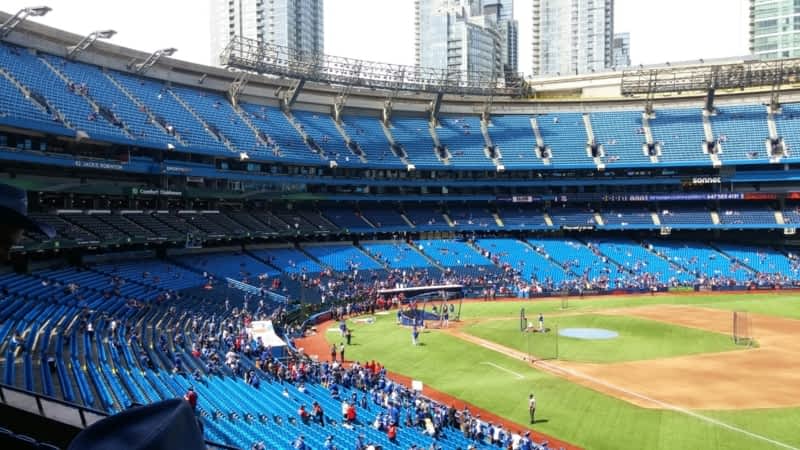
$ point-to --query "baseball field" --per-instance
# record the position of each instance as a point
(671, 376)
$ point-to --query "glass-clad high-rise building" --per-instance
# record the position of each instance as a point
(478, 36)
(296, 24)
(572, 36)
(622, 50)
(775, 28)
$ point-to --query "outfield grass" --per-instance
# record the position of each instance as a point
(571, 412)
(638, 339)
(781, 304)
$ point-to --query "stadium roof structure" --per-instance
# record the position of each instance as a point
(269, 59)
(700, 78)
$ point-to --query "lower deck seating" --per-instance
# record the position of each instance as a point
(118, 332)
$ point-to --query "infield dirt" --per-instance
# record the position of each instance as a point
(762, 377)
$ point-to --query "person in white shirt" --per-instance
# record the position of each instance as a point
(532, 407)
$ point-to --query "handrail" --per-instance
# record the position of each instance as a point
(250, 289)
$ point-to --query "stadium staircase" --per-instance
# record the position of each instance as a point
(407, 220)
(312, 257)
(448, 220)
(316, 149)
(218, 136)
(541, 252)
(428, 258)
(387, 131)
(474, 245)
(350, 143)
(542, 150)
(371, 256)
(656, 219)
(144, 109)
(498, 220)
(592, 143)
(367, 220)
(242, 114)
(711, 140)
(726, 253)
(39, 102)
(772, 126)
(444, 156)
(497, 157)
(86, 95)
(715, 217)
(648, 138)
(547, 219)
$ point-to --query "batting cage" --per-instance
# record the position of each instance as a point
(742, 328)
(432, 309)
(564, 299)
(539, 343)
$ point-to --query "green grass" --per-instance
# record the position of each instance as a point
(773, 304)
(638, 339)
(573, 413)
(780, 305)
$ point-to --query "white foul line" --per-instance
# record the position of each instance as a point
(518, 375)
(575, 373)
(665, 405)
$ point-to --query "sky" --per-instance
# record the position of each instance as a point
(383, 30)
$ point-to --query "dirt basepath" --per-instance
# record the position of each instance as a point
(763, 377)
(317, 347)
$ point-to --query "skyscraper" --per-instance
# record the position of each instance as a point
(622, 50)
(573, 36)
(775, 28)
(296, 24)
(466, 36)
(502, 12)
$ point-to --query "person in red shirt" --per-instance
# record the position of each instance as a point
(191, 397)
(303, 414)
(351, 413)
(391, 433)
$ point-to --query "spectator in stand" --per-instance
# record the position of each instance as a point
(191, 397)
(300, 444)
(318, 413)
(351, 414)
(303, 415)
(359, 444)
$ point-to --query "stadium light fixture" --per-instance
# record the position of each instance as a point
(8, 26)
(142, 67)
(73, 50)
